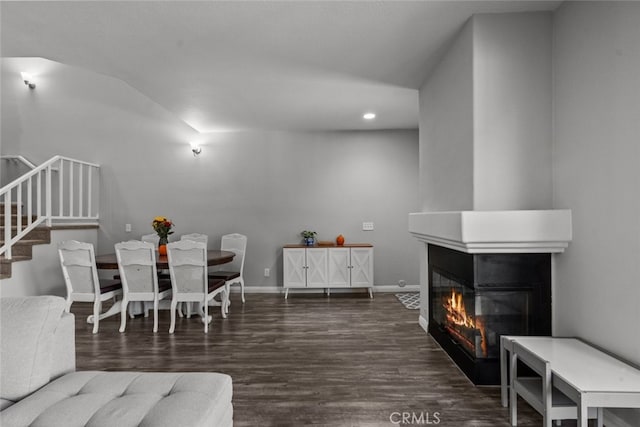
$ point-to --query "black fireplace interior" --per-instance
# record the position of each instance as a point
(476, 298)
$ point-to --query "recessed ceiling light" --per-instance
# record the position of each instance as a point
(369, 116)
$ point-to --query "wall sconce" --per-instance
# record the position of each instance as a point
(196, 149)
(28, 80)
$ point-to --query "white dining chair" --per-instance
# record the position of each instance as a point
(233, 272)
(196, 237)
(139, 275)
(78, 263)
(155, 239)
(151, 238)
(189, 279)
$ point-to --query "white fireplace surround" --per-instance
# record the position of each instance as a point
(517, 231)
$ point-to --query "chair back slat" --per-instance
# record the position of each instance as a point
(151, 238)
(77, 260)
(196, 237)
(188, 266)
(137, 265)
(236, 243)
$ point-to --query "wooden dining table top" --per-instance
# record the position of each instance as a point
(214, 257)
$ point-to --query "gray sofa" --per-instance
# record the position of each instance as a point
(39, 385)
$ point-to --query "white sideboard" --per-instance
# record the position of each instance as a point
(348, 266)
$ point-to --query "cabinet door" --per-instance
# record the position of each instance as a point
(294, 264)
(339, 267)
(317, 267)
(362, 267)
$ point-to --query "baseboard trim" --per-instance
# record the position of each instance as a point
(280, 289)
(424, 323)
(395, 288)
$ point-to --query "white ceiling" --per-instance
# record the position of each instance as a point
(292, 65)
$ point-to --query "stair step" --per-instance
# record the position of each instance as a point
(5, 265)
(42, 233)
(14, 208)
(5, 269)
(23, 249)
(14, 217)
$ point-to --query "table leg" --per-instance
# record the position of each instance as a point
(513, 397)
(503, 374)
(547, 394)
(600, 422)
(583, 418)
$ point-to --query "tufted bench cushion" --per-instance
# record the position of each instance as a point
(123, 399)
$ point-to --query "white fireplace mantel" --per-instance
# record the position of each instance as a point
(520, 231)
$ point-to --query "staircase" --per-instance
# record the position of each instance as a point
(60, 193)
(23, 249)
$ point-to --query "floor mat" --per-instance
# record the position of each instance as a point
(410, 300)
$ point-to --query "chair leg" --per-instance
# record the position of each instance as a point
(206, 317)
(242, 288)
(155, 315)
(97, 306)
(223, 305)
(225, 298)
(174, 304)
(123, 314)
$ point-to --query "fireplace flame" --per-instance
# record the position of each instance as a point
(457, 315)
(456, 312)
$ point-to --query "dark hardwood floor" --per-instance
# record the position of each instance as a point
(343, 360)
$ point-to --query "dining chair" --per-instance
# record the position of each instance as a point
(232, 272)
(151, 238)
(196, 237)
(78, 263)
(155, 239)
(139, 275)
(189, 279)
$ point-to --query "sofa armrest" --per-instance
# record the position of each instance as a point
(27, 327)
(63, 355)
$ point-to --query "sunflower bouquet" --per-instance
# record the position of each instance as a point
(162, 226)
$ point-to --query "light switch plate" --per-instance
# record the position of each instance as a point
(367, 226)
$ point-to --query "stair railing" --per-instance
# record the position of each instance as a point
(60, 190)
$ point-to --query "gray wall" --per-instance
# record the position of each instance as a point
(446, 130)
(596, 172)
(267, 185)
(485, 118)
(512, 111)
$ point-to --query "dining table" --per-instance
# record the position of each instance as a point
(214, 257)
(110, 262)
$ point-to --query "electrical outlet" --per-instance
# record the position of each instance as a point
(402, 283)
(267, 272)
(367, 226)
(127, 228)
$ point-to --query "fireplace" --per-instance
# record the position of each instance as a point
(476, 298)
(487, 274)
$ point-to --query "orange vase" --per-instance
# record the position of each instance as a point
(162, 249)
(340, 240)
